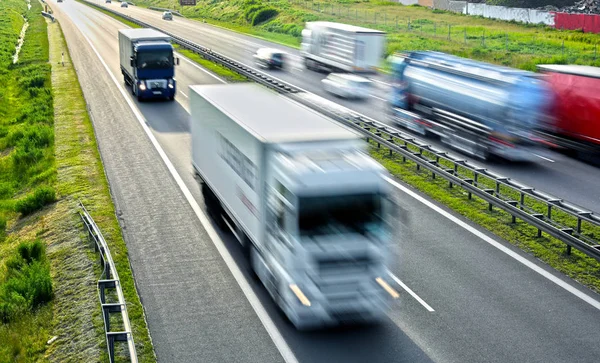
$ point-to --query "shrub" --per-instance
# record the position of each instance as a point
(28, 284)
(264, 15)
(251, 11)
(42, 196)
(24, 157)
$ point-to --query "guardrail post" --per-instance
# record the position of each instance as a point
(538, 216)
(469, 194)
(523, 191)
(451, 172)
(514, 204)
(498, 183)
(378, 143)
(570, 232)
(391, 140)
(490, 192)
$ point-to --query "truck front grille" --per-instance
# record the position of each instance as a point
(343, 266)
(156, 83)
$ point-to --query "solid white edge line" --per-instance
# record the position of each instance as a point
(379, 98)
(183, 94)
(260, 311)
(545, 158)
(583, 296)
(202, 69)
(412, 293)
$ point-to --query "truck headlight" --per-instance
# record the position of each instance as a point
(171, 83)
(142, 86)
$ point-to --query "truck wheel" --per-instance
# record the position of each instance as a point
(213, 206)
(172, 98)
(133, 88)
(253, 261)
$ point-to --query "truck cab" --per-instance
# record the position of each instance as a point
(148, 63)
(327, 246)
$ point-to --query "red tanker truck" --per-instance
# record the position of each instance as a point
(575, 113)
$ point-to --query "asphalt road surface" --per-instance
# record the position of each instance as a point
(466, 296)
(554, 173)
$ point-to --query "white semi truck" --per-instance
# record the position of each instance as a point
(342, 47)
(297, 190)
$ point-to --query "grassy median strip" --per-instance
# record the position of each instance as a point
(219, 70)
(578, 266)
(114, 16)
(215, 68)
(81, 177)
(408, 27)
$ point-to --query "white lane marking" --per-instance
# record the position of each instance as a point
(184, 95)
(412, 293)
(260, 311)
(583, 296)
(545, 158)
(380, 82)
(202, 69)
(379, 98)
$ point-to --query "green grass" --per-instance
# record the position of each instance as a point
(48, 160)
(584, 269)
(409, 28)
(577, 265)
(27, 164)
(114, 16)
(224, 72)
(217, 69)
(81, 177)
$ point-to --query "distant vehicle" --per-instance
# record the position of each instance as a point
(147, 63)
(335, 47)
(309, 206)
(124, 4)
(59, 1)
(347, 85)
(270, 58)
(575, 123)
(108, 1)
(478, 108)
(167, 15)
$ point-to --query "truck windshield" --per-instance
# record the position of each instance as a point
(155, 60)
(323, 215)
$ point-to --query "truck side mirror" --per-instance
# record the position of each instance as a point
(177, 61)
(132, 61)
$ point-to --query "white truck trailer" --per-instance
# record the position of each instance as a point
(297, 190)
(342, 47)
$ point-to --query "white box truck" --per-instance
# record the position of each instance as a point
(297, 190)
(342, 47)
(147, 63)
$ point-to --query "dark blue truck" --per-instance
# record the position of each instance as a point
(147, 63)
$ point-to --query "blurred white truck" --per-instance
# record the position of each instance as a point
(342, 47)
(296, 189)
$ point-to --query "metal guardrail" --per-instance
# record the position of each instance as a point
(165, 9)
(440, 163)
(109, 279)
(48, 15)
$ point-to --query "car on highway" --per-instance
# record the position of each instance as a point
(347, 85)
(108, 1)
(270, 58)
(167, 15)
(124, 4)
